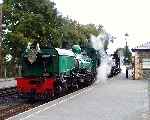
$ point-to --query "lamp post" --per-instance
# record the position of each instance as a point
(126, 56)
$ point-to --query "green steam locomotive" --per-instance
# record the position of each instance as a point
(50, 71)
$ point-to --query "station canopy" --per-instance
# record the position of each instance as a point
(143, 48)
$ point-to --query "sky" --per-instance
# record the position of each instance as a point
(117, 16)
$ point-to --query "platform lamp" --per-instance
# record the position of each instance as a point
(126, 56)
(126, 52)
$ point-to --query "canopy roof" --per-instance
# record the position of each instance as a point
(143, 47)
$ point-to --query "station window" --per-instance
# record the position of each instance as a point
(146, 63)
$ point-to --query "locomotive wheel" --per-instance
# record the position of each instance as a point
(49, 95)
(90, 79)
(93, 80)
(63, 86)
(75, 86)
(58, 90)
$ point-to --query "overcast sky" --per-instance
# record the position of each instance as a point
(117, 17)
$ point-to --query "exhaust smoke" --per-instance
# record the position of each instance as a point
(105, 67)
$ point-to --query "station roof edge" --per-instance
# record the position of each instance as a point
(145, 47)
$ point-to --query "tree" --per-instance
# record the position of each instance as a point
(75, 33)
(38, 21)
(32, 20)
(127, 55)
(29, 21)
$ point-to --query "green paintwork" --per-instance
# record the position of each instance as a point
(51, 61)
(66, 63)
(55, 61)
(47, 61)
(95, 56)
(84, 62)
(32, 70)
(76, 49)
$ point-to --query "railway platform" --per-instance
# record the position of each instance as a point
(6, 83)
(117, 99)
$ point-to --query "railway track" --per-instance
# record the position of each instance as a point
(4, 92)
(12, 110)
(11, 105)
(16, 108)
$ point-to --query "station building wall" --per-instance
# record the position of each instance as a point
(141, 67)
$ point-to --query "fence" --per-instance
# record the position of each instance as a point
(10, 71)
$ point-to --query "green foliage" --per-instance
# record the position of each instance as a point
(38, 21)
(35, 20)
(75, 33)
(127, 54)
(29, 21)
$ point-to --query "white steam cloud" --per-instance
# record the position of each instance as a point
(104, 69)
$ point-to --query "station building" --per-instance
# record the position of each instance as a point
(141, 62)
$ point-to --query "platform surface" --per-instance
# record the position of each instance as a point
(5, 83)
(118, 99)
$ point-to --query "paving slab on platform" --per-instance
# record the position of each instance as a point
(5, 83)
(118, 99)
